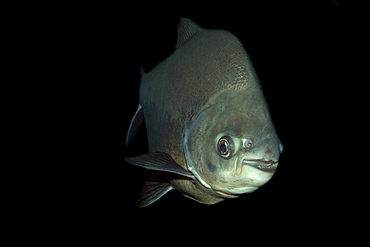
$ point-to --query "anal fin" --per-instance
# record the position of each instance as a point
(153, 189)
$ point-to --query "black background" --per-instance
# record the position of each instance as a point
(304, 53)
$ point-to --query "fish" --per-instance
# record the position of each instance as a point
(210, 134)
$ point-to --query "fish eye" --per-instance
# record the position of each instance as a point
(223, 147)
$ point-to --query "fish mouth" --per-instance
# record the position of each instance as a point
(226, 195)
(263, 165)
(234, 192)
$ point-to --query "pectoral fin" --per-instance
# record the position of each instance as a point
(136, 122)
(159, 162)
(153, 189)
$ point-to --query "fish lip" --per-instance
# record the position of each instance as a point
(226, 195)
(234, 192)
(263, 165)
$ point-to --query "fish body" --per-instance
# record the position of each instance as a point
(210, 134)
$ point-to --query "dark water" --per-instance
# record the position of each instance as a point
(303, 54)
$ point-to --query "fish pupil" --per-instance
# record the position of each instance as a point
(223, 148)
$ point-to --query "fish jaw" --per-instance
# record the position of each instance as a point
(234, 192)
(267, 166)
(252, 174)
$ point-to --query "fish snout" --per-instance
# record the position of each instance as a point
(263, 165)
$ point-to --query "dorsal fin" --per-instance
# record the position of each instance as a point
(185, 30)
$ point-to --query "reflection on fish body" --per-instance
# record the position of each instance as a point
(210, 134)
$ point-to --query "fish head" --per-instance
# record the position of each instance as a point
(233, 147)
